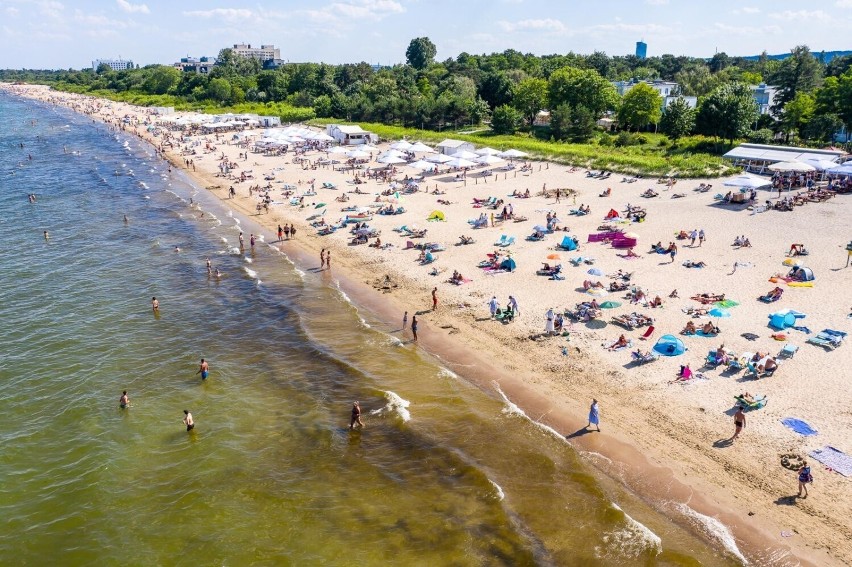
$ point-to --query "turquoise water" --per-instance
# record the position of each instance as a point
(442, 474)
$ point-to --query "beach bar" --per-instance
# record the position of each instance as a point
(757, 157)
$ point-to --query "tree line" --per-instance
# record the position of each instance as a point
(508, 89)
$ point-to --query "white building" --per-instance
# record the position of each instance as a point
(764, 96)
(348, 135)
(114, 64)
(663, 88)
(450, 147)
(264, 52)
(692, 101)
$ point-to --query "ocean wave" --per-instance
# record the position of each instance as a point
(714, 529)
(248, 260)
(395, 405)
(142, 185)
(342, 293)
(511, 409)
(500, 494)
(251, 273)
(447, 373)
(632, 539)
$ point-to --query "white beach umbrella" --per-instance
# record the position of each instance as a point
(391, 160)
(845, 169)
(424, 165)
(422, 148)
(401, 145)
(488, 159)
(748, 180)
(439, 158)
(513, 154)
(820, 164)
(322, 137)
(368, 148)
(357, 154)
(464, 155)
(487, 152)
(394, 153)
(459, 162)
(791, 166)
(338, 150)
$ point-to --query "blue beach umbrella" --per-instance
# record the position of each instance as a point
(720, 313)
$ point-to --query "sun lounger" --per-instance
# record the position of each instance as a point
(644, 358)
(648, 333)
(508, 242)
(502, 240)
(756, 403)
(789, 351)
(824, 341)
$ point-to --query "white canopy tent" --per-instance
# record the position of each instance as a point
(791, 166)
(748, 181)
(391, 160)
(357, 154)
(420, 147)
(820, 164)
(487, 151)
(513, 154)
(439, 158)
(423, 165)
(845, 169)
(401, 145)
(464, 154)
(459, 162)
(488, 159)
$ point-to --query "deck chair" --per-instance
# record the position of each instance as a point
(509, 241)
(648, 332)
(734, 365)
(789, 351)
(502, 240)
(747, 405)
(711, 359)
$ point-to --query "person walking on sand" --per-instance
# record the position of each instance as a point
(124, 401)
(805, 478)
(293, 231)
(493, 306)
(434, 298)
(405, 320)
(280, 233)
(287, 231)
(548, 327)
(700, 237)
(328, 260)
(188, 421)
(739, 422)
(692, 236)
(673, 252)
(594, 415)
(203, 369)
(356, 416)
(513, 305)
(155, 305)
(322, 258)
(414, 327)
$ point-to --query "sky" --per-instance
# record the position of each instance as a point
(61, 34)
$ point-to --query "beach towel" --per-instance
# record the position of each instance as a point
(803, 329)
(726, 303)
(833, 459)
(799, 426)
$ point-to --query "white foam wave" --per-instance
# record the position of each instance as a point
(251, 273)
(395, 405)
(511, 409)
(715, 529)
(248, 260)
(234, 251)
(225, 240)
(261, 238)
(500, 494)
(143, 185)
(447, 373)
(341, 292)
(300, 272)
(633, 538)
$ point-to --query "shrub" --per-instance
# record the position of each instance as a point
(762, 136)
(624, 139)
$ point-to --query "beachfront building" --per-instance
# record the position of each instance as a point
(263, 53)
(349, 134)
(756, 157)
(114, 64)
(764, 96)
(201, 65)
(450, 147)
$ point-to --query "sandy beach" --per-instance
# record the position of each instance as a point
(666, 439)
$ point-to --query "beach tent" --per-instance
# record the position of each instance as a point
(391, 160)
(460, 162)
(422, 148)
(568, 243)
(802, 273)
(513, 154)
(786, 318)
(401, 145)
(488, 159)
(487, 151)
(845, 169)
(820, 164)
(439, 158)
(436, 216)
(464, 154)
(612, 214)
(423, 165)
(669, 345)
(508, 264)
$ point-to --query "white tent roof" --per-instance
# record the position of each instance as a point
(401, 145)
(465, 155)
(422, 148)
(821, 164)
(488, 160)
(450, 143)
(748, 180)
(513, 154)
(357, 154)
(845, 169)
(791, 166)
(487, 151)
(459, 162)
(439, 158)
(423, 164)
(762, 152)
(390, 159)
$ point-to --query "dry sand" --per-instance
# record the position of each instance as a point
(645, 416)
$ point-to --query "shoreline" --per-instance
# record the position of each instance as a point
(647, 462)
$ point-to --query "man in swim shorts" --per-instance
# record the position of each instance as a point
(356, 416)
(155, 305)
(123, 401)
(203, 369)
(190, 424)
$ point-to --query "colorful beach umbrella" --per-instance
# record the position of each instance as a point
(610, 305)
(600, 292)
(719, 313)
(554, 257)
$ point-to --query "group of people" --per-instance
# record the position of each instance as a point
(286, 231)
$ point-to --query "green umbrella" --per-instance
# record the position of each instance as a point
(319, 206)
(610, 305)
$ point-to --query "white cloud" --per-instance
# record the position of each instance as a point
(843, 3)
(51, 8)
(546, 24)
(229, 14)
(657, 2)
(12, 12)
(790, 15)
(367, 9)
(98, 22)
(131, 8)
(747, 31)
(633, 28)
(748, 10)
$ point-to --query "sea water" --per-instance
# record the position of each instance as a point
(442, 474)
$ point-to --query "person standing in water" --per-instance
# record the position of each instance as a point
(414, 327)
(188, 421)
(405, 320)
(203, 369)
(155, 305)
(242, 241)
(594, 415)
(46, 235)
(328, 260)
(322, 259)
(124, 401)
(356, 416)
(280, 233)
(251, 241)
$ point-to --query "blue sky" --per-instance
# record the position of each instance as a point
(70, 33)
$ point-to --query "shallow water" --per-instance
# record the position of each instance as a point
(443, 473)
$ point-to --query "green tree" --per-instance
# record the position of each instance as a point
(585, 87)
(506, 120)
(822, 128)
(678, 119)
(496, 89)
(420, 53)
(582, 125)
(530, 96)
(728, 112)
(640, 106)
(219, 89)
(798, 112)
(695, 80)
(801, 72)
(560, 121)
(161, 80)
(479, 111)
(103, 68)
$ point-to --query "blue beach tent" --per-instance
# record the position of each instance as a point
(669, 345)
(780, 320)
(508, 264)
(568, 243)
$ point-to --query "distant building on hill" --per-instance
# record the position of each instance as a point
(641, 49)
(263, 53)
(114, 64)
(201, 65)
(764, 96)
